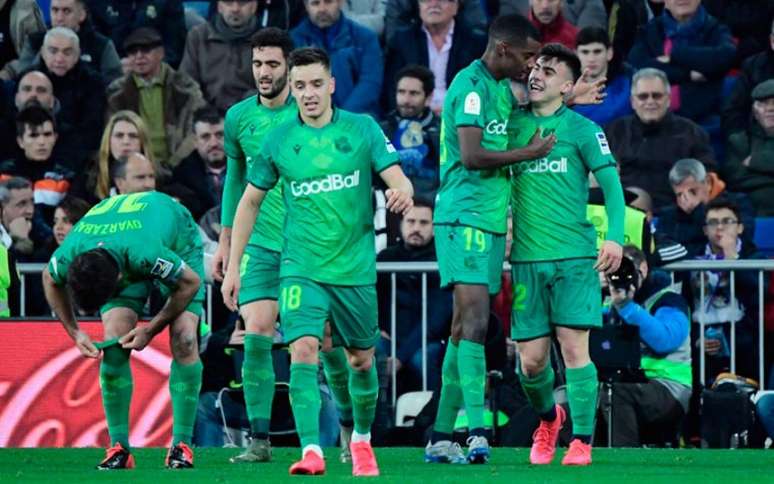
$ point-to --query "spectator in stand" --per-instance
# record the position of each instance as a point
(694, 50)
(36, 135)
(749, 166)
(597, 60)
(405, 13)
(119, 18)
(204, 171)
(546, 16)
(356, 57)
(18, 20)
(369, 13)
(416, 244)
(165, 98)
(133, 173)
(624, 19)
(647, 143)
(68, 212)
(33, 86)
(580, 13)
(125, 133)
(415, 130)
(80, 92)
(749, 21)
(97, 51)
(723, 229)
(218, 53)
(440, 42)
(680, 228)
(756, 69)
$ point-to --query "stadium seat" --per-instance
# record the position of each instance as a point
(408, 407)
(764, 235)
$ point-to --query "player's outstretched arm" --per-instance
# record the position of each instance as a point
(476, 157)
(244, 220)
(611, 252)
(187, 285)
(400, 191)
(60, 303)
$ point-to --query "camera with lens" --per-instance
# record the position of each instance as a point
(626, 276)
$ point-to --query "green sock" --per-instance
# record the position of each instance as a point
(305, 402)
(185, 382)
(472, 367)
(337, 375)
(364, 388)
(582, 386)
(258, 382)
(451, 393)
(116, 381)
(539, 389)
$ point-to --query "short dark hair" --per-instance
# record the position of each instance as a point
(309, 55)
(415, 71)
(724, 202)
(33, 115)
(92, 279)
(590, 35)
(13, 183)
(207, 114)
(420, 201)
(74, 207)
(272, 37)
(513, 29)
(633, 253)
(564, 55)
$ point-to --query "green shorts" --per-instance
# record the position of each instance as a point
(135, 295)
(562, 293)
(259, 271)
(305, 306)
(467, 255)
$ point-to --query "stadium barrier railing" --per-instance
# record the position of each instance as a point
(425, 268)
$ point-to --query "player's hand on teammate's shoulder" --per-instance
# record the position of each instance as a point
(586, 91)
(136, 339)
(609, 258)
(85, 346)
(398, 201)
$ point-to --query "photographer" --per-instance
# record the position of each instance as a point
(648, 300)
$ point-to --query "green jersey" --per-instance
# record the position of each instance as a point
(146, 233)
(246, 126)
(478, 198)
(549, 195)
(326, 179)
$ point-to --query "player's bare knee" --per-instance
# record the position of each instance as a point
(360, 360)
(305, 350)
(184, 344)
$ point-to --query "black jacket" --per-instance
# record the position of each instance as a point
(192, 173)
(737, 108)
(749, 21)
(409, 301)
(81, 95)
(118, 18)
(646, 152)
(409, 46)
(711, 52)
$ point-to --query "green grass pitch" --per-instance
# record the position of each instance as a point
(401, 465)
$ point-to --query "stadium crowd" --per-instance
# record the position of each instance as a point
(101, 97)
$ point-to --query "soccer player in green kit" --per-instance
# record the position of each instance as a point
(247, 124)
(470, 221)
(554, 257)
(323, 160)
(107, 263)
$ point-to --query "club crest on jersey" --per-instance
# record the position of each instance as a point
(162, 268)
(342, 144)
(472, 104)
(604, 147)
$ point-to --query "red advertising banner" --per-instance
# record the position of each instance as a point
(50, 394)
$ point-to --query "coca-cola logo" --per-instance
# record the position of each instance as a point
(50, 394)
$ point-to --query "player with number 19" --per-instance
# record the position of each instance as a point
(107, 263)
